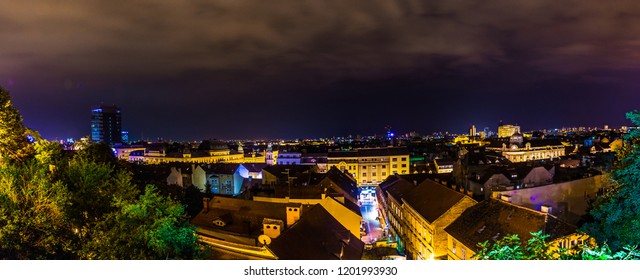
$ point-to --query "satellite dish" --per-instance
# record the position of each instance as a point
(264, 240)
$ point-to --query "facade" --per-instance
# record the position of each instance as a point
(418, 215)
(443, 165)
(288, 158)
(370, 166)
(517, 149)
(217, 156)
(106, 125)
(507, 130)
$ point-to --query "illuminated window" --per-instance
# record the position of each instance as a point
(453, 247)
(373, 167)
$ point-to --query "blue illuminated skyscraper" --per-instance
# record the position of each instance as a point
(106, 125)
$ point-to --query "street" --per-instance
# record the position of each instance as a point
(371, 223)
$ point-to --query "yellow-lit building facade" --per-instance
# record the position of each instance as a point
(370, 166)
(530, 151)
(420, 228)
(220, 156)
(508, 130)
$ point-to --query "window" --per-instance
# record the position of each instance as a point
(373, 174)
(404, 165)
(384, 166)
(364, 167)
(464, 254)
(384, 173)
(404, 159)
(394, 166)
(453, 247)
(394, 159)
(373, 167)
(364, 174)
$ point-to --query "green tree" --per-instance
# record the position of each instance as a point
(14, 145)
(616, 215)
(510, 247)
(33, 222)
(152, 227)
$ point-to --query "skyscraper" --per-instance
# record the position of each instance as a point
(472, 130)
(106, 126)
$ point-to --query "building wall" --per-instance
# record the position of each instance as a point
(440, 239)
(199, 179)
(508, 130)
(521, 155)
(371, 170)
(568, 200)
(458, 251)
(289, 158)
(160, 158)
(537, 176)
(175, 177)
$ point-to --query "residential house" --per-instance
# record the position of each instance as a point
(493, 219)
(317, 236)
(419, 212)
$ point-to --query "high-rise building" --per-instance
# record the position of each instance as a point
(507, 130)
(106, 126)
(472, 130)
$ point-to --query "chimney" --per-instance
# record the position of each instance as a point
(293, 215)
(205, 202)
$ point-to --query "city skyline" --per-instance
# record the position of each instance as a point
(214, 69)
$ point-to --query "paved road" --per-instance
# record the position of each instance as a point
(369, 211)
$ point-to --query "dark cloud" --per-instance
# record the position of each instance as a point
(177, 66)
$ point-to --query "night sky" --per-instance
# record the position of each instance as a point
(188, 70)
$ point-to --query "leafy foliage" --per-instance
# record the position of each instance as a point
(152, 227)
(84, 207)
(537, 248)
(511, 247)
(33, 221)
(14, 145)
(616, 215)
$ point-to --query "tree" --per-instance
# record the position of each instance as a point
(33, 208)
(511, 248)
(152, 227)
(14, 145)
(616, 215)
